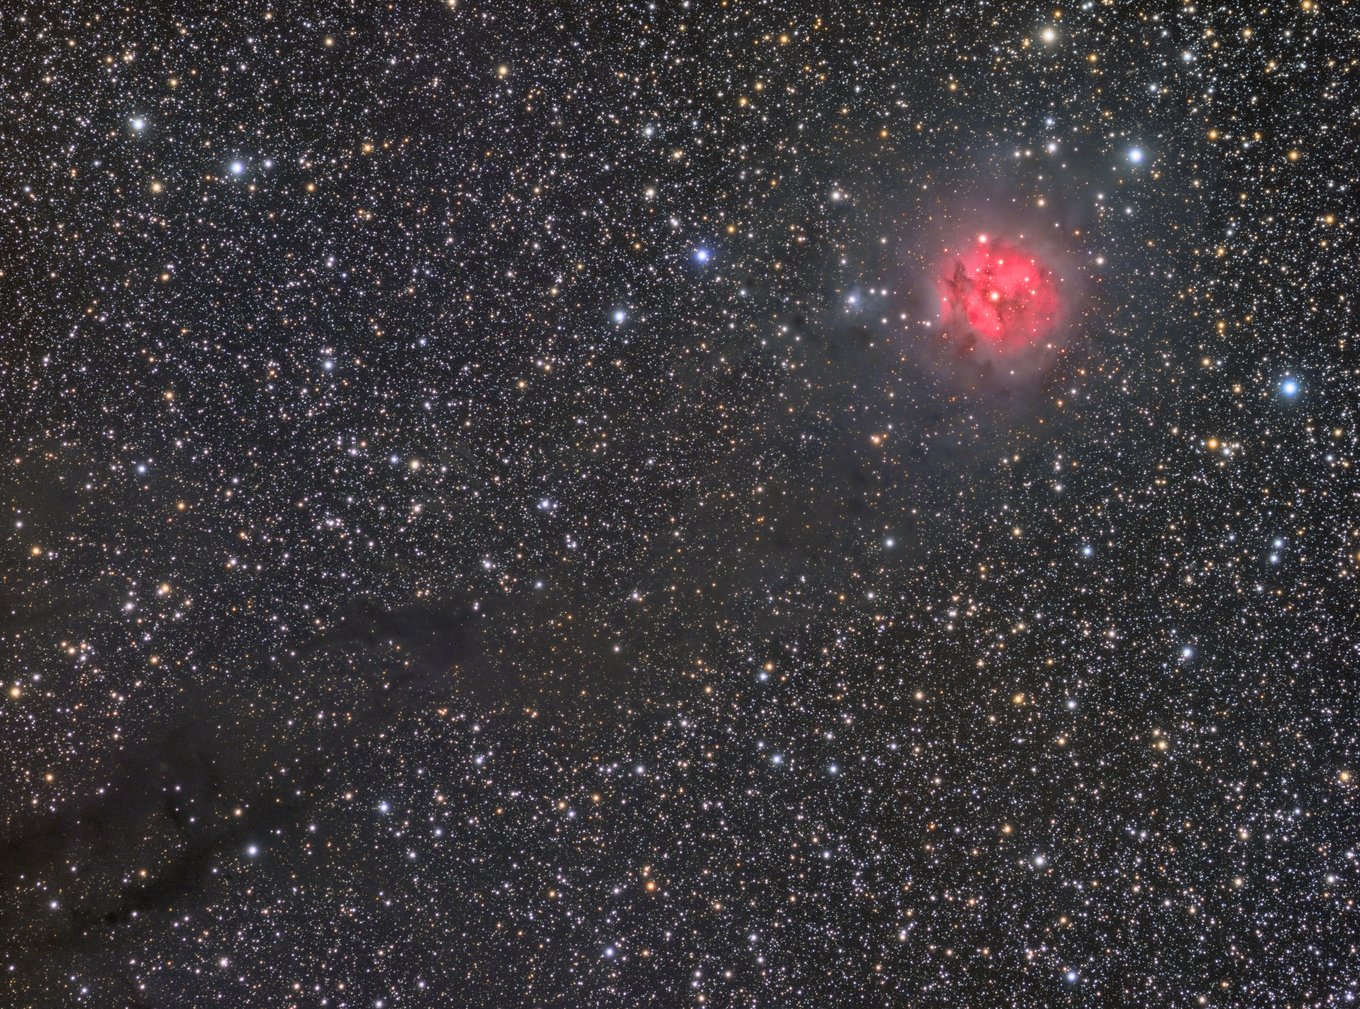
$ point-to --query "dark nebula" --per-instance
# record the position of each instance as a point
(513, 504)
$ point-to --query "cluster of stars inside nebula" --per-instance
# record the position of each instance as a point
(712, 503)
(1001, 292)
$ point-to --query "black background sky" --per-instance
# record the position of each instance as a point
(494, 517)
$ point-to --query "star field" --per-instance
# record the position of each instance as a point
(499, 509)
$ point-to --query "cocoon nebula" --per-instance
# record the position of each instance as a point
(998, 295)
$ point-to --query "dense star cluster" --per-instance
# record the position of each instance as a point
(501, 506)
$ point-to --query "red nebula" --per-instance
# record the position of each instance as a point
(1000, 292)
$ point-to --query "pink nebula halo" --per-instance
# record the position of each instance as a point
(1001, 292)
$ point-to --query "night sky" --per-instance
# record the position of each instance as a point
(720, 503)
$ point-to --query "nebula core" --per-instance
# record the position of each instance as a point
(999, 295)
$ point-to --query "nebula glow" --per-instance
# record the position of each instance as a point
(1000, 295)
